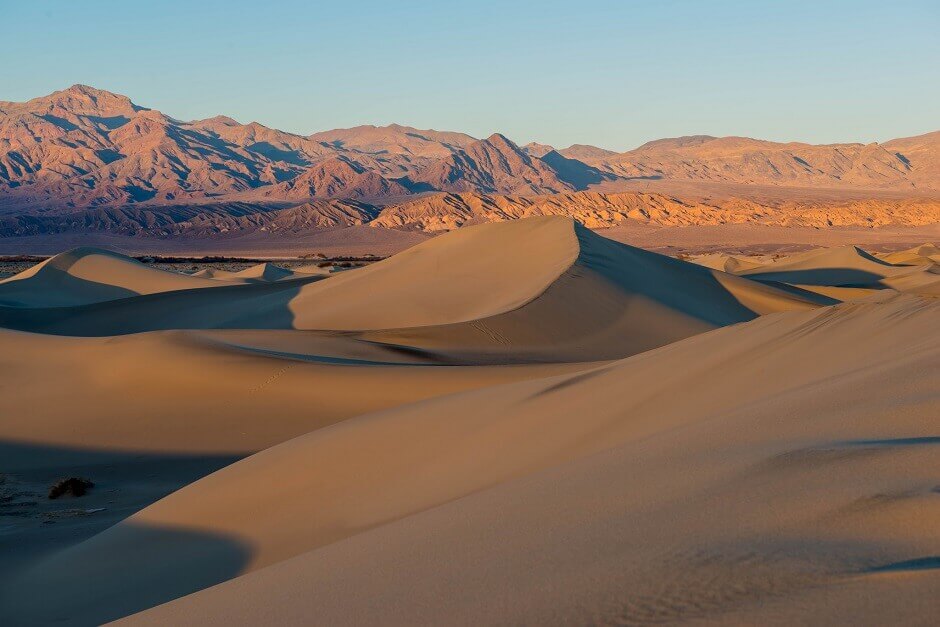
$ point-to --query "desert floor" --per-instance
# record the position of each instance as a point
(512, 423)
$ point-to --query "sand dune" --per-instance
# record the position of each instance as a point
(638, 301)
(464, 275)
(514, 423)
(837, 270)
(846, 273)
(691, 469)
(514, 288)
(727, 263)
(848, 265)
(312, 268)
(89, 275)
(918, 255)
(149, 388)
(260, 272)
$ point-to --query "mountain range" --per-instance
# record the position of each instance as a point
(87, 155)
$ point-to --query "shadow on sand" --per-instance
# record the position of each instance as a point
(67, 561)
(124, 570)
(835, 277)
(250, 306)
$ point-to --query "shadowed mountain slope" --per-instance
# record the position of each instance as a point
(494, 164)
(334, 178)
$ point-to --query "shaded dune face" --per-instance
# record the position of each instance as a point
(164, 582)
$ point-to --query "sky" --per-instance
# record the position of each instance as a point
(611, 74)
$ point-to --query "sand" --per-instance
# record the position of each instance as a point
(844, 273)
(564, 500)
(89, 275)
(514, 423)
(263, 272)
(515, 289)
(918, 255)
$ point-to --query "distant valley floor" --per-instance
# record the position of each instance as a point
(362, 240)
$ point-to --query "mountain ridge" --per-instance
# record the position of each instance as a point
(95, 158)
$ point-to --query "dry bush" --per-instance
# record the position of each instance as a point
(74, 486)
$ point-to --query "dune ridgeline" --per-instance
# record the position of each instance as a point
(512, 423)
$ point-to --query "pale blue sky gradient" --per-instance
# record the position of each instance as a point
(613, 74)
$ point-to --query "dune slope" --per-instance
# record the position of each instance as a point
(515, 423)
(844, 266)
(918, 255)
(614, 301)
(832, 271)
(259, 272)
(517, 287)
(89, 275)
(528, 266)
(220, 393)
(765, 461)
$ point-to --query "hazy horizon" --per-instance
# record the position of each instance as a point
(609, 75)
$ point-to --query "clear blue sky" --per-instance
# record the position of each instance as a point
(614, 74)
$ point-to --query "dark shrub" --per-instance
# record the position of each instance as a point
(74, 486)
